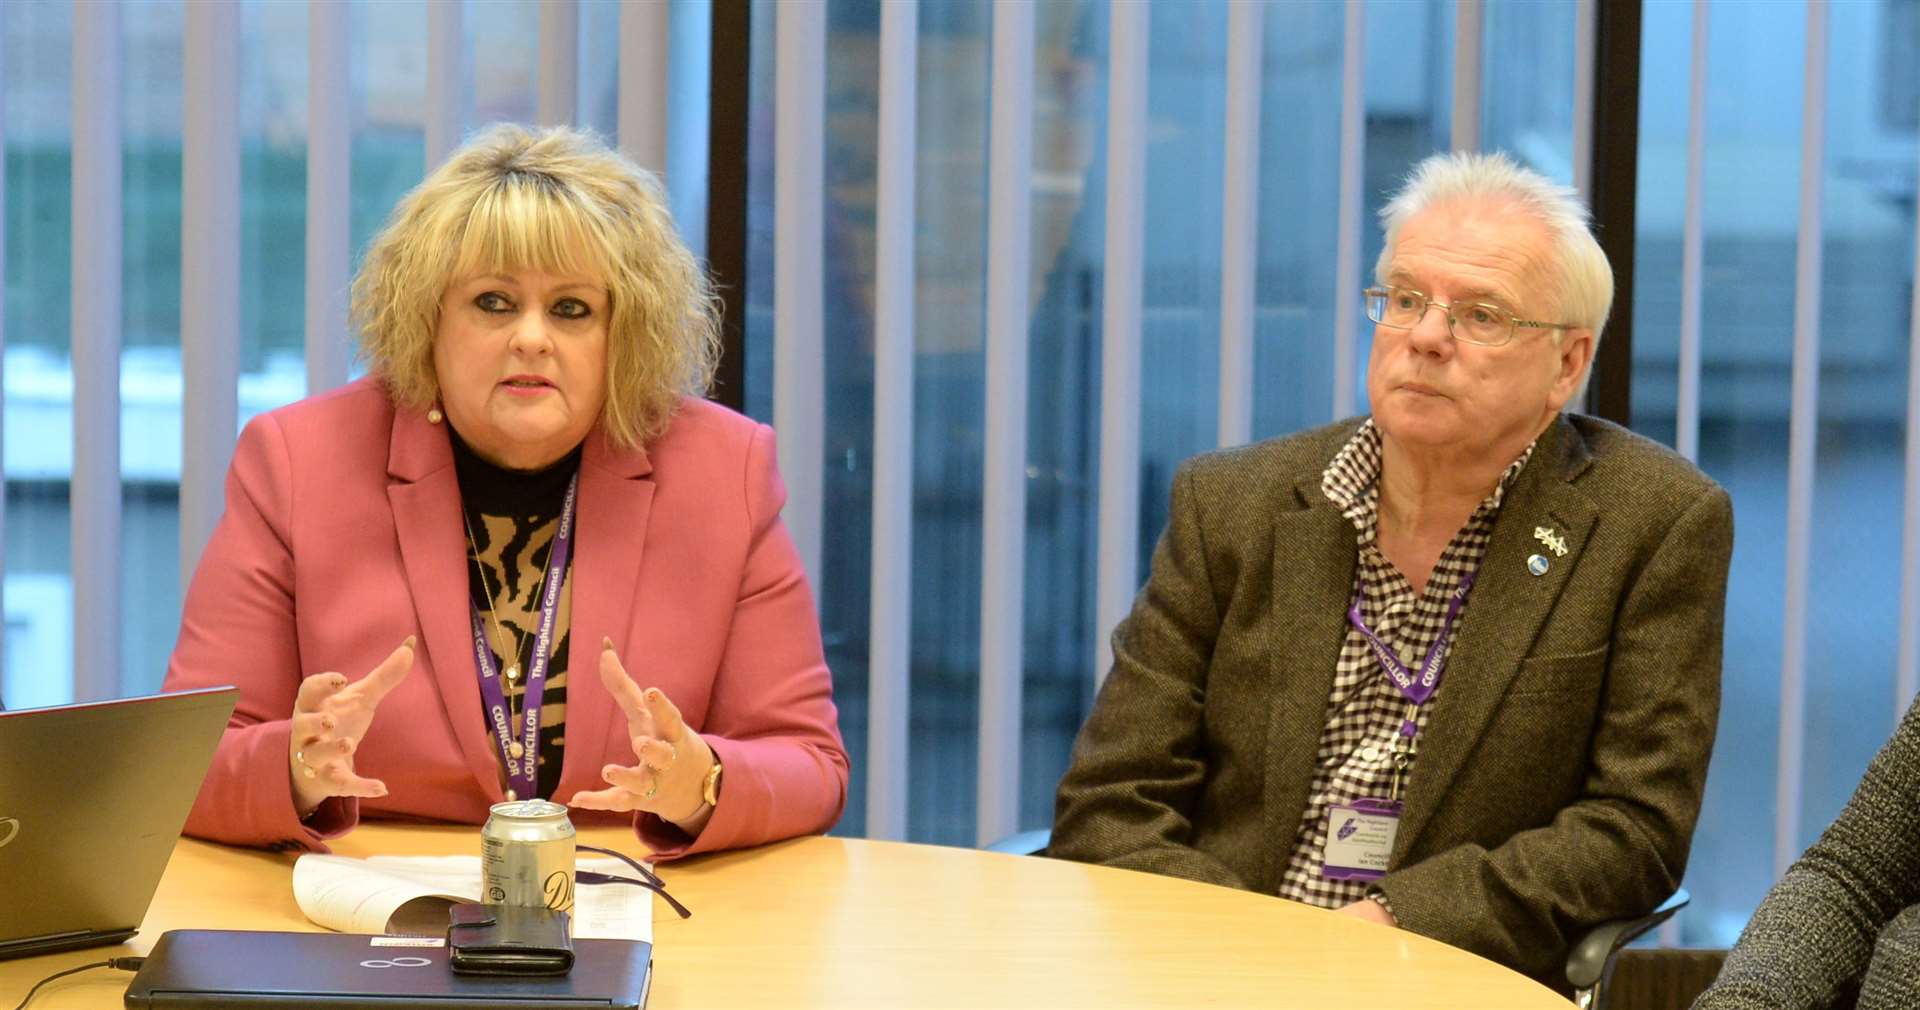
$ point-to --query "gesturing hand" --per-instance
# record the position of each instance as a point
(672, 760)
(330, 716)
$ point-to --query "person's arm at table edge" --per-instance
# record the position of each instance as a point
(238, 628)
(1137, 768)
(1810, 940)
(771, 722)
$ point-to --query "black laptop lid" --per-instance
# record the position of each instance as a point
(334, 971)
(92, 798)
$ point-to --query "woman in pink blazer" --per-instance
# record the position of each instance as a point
(523, 557)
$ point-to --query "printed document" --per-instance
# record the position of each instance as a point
(410, 895)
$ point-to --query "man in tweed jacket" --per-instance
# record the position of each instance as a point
(1552, 779)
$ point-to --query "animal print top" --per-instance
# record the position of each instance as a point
(511, 517)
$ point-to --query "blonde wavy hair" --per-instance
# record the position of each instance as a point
(557, 201)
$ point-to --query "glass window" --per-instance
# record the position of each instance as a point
(1867, 234)
(851, 180)
(1748, 301)
(689, 78)
(1180, 293)
(150, 84)
(273, 205)
(1409, 102)
(1068, 237)
(39, 385)
(1666, 47)
(1067, 283)
(389, 110)
(949, 390)
(1299, 201)
(1527, 83)
(758, 296)
(599, 70)
(950, 265)
(504, 38)
(1747, 350)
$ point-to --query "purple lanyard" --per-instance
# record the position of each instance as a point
(522, 774)
(1416, 689)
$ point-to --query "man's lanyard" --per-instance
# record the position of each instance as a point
(1416, 688)
(522, 772)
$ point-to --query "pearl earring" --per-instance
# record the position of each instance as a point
(434, 416)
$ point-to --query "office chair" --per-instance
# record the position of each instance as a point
(1590, 964)
(1026, 843)
(1661, 979)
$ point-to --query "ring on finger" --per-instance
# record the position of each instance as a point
(305, 768)
(652, 789)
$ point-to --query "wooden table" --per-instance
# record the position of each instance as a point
(832, 922)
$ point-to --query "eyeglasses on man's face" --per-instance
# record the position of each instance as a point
(1482, 323)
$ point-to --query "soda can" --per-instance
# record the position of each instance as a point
(526, 855)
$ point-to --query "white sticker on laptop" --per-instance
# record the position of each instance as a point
(407, 941)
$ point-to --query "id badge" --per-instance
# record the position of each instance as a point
(1359, 839)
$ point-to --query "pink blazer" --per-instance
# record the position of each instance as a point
(342, 536)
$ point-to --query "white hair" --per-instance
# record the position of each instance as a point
(1581, 277)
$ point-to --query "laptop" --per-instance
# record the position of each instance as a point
(336, 971)
(92, 798)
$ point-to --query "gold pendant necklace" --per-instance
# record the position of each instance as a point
(512, 673)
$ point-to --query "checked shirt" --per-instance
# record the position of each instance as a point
(1364, 712)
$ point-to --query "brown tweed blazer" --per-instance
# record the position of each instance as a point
(1560, 775)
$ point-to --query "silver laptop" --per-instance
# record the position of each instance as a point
(92, 798)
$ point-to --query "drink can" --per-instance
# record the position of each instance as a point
(526, 855)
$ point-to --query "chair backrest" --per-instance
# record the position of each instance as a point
(1026, 843)
(1661, 979)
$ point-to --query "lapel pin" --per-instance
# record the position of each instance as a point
(1537, 564)
(1554, 541)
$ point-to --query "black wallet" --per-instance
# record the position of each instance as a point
(508, 940)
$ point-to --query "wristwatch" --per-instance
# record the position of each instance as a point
(710, 789)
